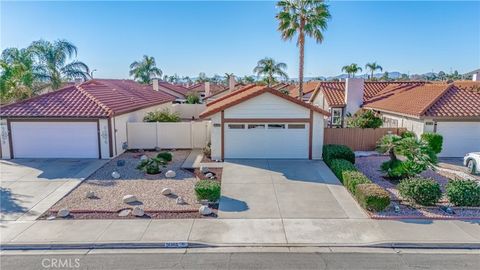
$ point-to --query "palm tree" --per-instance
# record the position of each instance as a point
(269, 68)
(351, 69)
(373, 67)
(145, 70)
(305, 18)
(53, 57)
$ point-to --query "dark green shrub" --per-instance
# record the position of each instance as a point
(207, 190)
(365, 119)
(423, 191)
(193, 98)
(338, 166)
(393, 168)
(434, 140)
(162, 116)
(167, 156)
(337, 151)
(151, 165)
(463, 192)
(353, 178)
(372, 197)
(408, 134)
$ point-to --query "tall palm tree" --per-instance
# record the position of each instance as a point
(53, 57)
(302, 18)
(268, 67)
(145, 70)
(373, 67)
(351, 69)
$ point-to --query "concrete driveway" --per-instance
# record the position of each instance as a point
(289, 189)
(29, 187)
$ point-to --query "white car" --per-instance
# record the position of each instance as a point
(472, 162)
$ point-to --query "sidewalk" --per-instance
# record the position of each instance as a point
(240, 232)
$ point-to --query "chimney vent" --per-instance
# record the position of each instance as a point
(231, 83)
(354, 89)
(207, 89)
(155, 84)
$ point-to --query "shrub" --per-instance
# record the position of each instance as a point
(339, 166)
(337, 151)
(463, 192)
(408, 134)
(207, 150)
(193, 98)
(207, 190)
(353, 178)
(420, 190)
(434, 140)
(365, 119)
(162, 116)
(151, 165)
(372, 197)
(167, 156)
(393, 169)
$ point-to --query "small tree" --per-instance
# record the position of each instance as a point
(193, 98)
(365, 119)
(162, 116)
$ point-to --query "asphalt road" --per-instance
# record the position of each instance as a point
(318, 261)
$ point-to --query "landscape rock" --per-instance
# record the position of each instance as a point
(205, 210)
(170, 174)
(180, 200)
(52, 217)
(143, 157)
(203, 169)
(166, 191)
(209, 175)
(63, 213)
(115, 174)
(124, 212)
(90, 194)
(129, 199)
(138, 212)
(120, 162)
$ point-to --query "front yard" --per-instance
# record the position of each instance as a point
(102, 195)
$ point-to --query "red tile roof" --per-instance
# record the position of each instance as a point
(182, 90)
(200, 87)
(461, 100)
(249, 92)
(99, 98)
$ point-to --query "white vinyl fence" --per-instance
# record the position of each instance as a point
(179, 135)
(187, 111)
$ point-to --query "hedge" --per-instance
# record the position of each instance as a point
(339, 166)
(207, 190)
(424, 191)
(463, 192)
(337, 151)
(353, 178)
(372, 197)
(434, 141)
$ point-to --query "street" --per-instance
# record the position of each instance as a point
(149, 259)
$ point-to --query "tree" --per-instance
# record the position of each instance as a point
(302, 18)
(268, 68)
(365, 119)
(202, 77)
(52, 60)
(385, 76)
(247, 79)
(373, 67)
(193, 98)
(351, 69)
(145, 70)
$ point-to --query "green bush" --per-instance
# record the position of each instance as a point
(365, 119)
(372, 197)
(151, 165)
(193, 98)
(167, 156)
(337, 151)
(463, 192)
(393, 168)
(207, 190)
(434, 140)
(162, 116)
(408, 134)
(339, 166)
(423, 191)
(353, 178)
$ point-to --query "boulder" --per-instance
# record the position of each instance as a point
(180, 200)
(203, 169)
(120, 162)
(63, 213)
(124, 212)
(205, 210)
(129, 199)
(90, 194)
(170, 174)
(143, 157)
(209, 175)
(115, 174)
(166, 191)
(138, 212)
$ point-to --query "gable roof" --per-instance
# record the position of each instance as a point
(174, 87)
(200, 87)
(237, 87)
(98, 98)
(247, 93)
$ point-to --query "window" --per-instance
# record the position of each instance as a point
(256, 126)
(296, 126)
(336, 116)
(236, 126)
(276, 126)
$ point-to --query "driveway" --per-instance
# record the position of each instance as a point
(29, 187)
(289, 189)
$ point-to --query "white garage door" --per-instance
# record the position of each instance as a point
(459, 138)
(268, 140)
(55, 139)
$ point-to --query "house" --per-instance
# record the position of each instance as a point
(206, 88)
(178, 91)
(261, 122)
(87, 120)
(232, 86)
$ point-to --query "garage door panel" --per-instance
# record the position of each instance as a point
(55, 139)
(459, 138)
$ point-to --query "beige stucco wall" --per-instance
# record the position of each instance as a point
(412, 124)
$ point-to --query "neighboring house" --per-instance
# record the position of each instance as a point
(261, 122)
(232, 86)
(88, 120)
(206, 89)
(178, 91)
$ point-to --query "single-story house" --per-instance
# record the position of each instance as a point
(261, 122)
(180, 92)
(232, 86)
(87, 120)
(206, 88)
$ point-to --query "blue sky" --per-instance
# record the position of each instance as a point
(217, 37)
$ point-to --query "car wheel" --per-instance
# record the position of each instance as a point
(472, 167)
